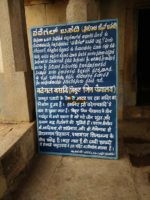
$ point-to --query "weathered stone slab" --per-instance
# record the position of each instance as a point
(10, 134)
(17, 148)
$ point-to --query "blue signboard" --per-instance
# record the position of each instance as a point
(75, 79)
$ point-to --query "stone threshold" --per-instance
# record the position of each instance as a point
(17, 148)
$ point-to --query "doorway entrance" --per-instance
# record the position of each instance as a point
(143, 58)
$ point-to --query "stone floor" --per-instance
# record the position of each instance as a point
(76, 178)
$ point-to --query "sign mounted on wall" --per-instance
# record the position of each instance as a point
(75, 79)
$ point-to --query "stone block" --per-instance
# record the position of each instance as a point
(17, 142)
(16, 87)
(12, 134)
(76, 11)
(6, 38)
(13, 163)
(13, 36)
(28, 144)
(15, 103)
(35, 15)
(19, 35)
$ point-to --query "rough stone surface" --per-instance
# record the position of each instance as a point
(18, 34)
(14, 105)
(75, 178)
(16, 95)
(27, 144)
(6, 38)
(10, 134)
(136, 136)
(72, 178)
(35, 15)
(17, 148)
(76, 11)
(3, 186)
(14, 48)
(142, 181)
(12, 164)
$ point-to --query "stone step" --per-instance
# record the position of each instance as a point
(136, 138)
(139, 153)
(135, 129)
(17, 148)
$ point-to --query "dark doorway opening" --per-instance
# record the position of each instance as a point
(143, 58)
